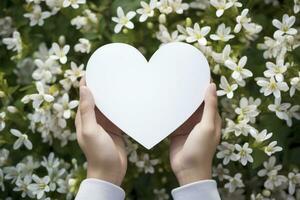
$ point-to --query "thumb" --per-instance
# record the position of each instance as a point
(210, 105)
(87, 112)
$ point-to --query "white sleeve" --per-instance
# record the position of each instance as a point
(201, 190)
(96, 189)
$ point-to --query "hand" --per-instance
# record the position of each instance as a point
(100, 140)
(193, 145)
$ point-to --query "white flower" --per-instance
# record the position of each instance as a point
(295, 84)
(242, 20)
(294, 180)
(147, 10)
(22, 140)
(272, 2)
(54, 5)
(220, 172)
(197, 34)
(37, 16)
(261, 136)
(164, 7)
(64, 107)
(2, 187)
(73, 3)
(40, 187)
(67, 136)
(22, 184)
(248, 108)
(34, 1)
(72, 75)
(165, 37)
(6, 26)
(43, 52)
(274, 48)
(239, 72)
(251, 30)
(244, 153)
(60, 53)
(226, 88)
(123, 20)
(79, 22)
(38, 98)
(274, 180)
(131, 148)
(277, 70)
(272, 148)
(222, 57)
(236, 3)
(223, 33)
(272, 87)
(226, 151)
(285, 27)
(50, 162)
(199, 4)
(91, 16)
(84, 46)
(279, 108)
(2, 120)
(241, 127)
(12, 173)
(46, 70)
(293, 112)
(147, 164)
(4, 153)
(14, 43)
(296, 6)
(234, 182)
(178, 6)
(269, 166)
(221, 6)
(161, 194)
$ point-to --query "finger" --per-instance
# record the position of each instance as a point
(78, 121)
(87, 113)
(218, 128)
(78, 126)
(210, 105)
(82, 81)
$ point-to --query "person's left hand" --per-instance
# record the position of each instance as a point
(193, 144)
(100, 140)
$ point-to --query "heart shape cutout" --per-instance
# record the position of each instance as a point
(148, 100)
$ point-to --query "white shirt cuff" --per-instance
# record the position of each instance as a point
(201, 190)
(96, 189)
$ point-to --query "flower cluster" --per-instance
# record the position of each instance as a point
(252, 49)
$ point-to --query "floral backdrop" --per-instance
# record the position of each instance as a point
(252, 48)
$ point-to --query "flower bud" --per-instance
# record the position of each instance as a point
(12, 109)
(2, 94)
(62, 40)
(162, 19)
(188, 21)
(266, 193)
(150, 25)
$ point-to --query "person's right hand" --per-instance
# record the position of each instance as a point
(193, 145)
(100, 140)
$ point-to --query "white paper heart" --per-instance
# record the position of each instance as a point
(148, 100)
